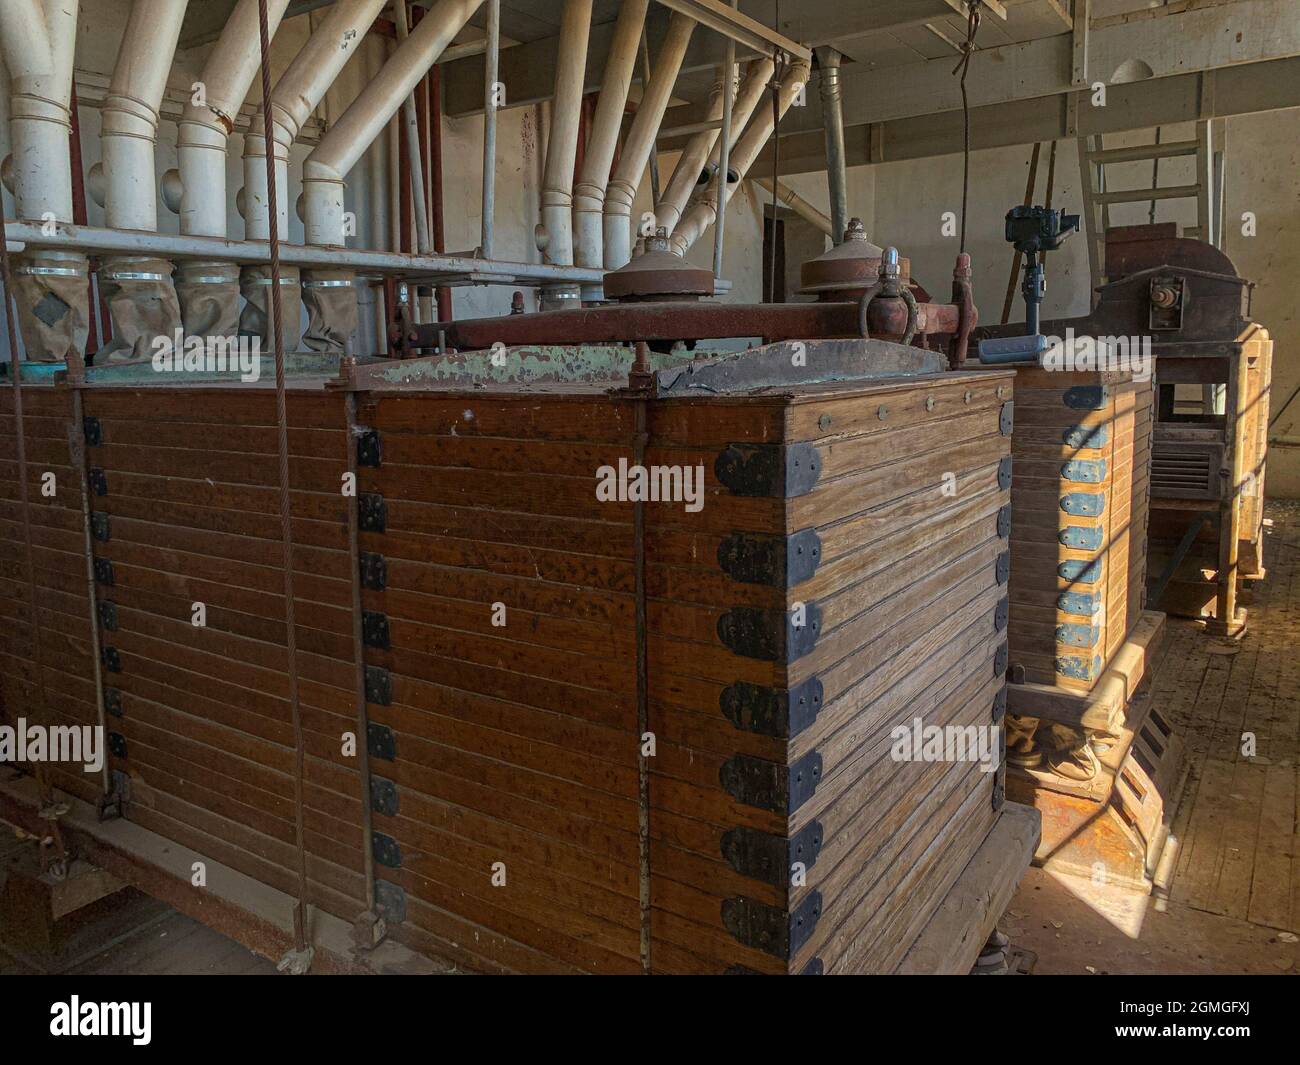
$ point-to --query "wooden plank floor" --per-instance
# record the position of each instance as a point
(1239, 852)
(1234, 903)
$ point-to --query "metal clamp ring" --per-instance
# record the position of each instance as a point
(50, 271)
(131, 275)
(913, 314)
(864, 327)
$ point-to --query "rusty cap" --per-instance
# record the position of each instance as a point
(658, 274)
(848, 269)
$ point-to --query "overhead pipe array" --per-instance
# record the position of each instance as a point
(555, 232)
(139, 291)
(330, 294)
(589, 192)
(640, 141)
(587, 222)
(275, 128)
(705, 211)
(208, 290)
(699, 159)
(38, 38)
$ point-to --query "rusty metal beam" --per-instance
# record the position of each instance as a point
(668, 321)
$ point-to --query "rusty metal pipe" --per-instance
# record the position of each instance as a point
(686, 320)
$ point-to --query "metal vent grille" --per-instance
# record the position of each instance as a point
(1185, 470)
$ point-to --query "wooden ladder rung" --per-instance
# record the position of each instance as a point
(1139, 152)
(1168, 192)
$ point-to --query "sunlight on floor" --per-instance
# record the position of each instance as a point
(1122, 907)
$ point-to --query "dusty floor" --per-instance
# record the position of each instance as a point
(1234, 903)
(131, 934)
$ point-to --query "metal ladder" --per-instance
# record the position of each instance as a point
(1207, 191)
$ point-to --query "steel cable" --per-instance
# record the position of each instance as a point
(286, 530)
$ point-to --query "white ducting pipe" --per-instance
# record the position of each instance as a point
(589, 193)
(296, 95)
(140, 292)
(686, 174)
(703, 214)
(38, 38)
(640, 142)
(555, 232)
(274, 129)
(130, 113)
(209, 291)
(753, 91)
(799, 205)
(361, 123)
(205, 128)
(330, 294)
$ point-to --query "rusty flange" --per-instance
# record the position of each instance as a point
(848, 269)
(658, 274)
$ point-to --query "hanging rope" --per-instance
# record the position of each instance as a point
(286, 531)
(967, 49)
(778, 75)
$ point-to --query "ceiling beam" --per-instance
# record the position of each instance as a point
(528, 70)
(828, 23)
(1243, 89)
(739, 27)
(1190, 39)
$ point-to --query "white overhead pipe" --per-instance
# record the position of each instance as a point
(38, 38)
(209, 291)
(329, 294)
(491, 64)
(703, 214)
(689, 164)
(753, 91)
(274, 128)
(555, 231)
(362, 122)
(799, 206)
(704, 145)
(640, 142)
(37, 41)
(140, 292)
(295, 96)
(589, 192)
(205, 128)
(129, 131)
